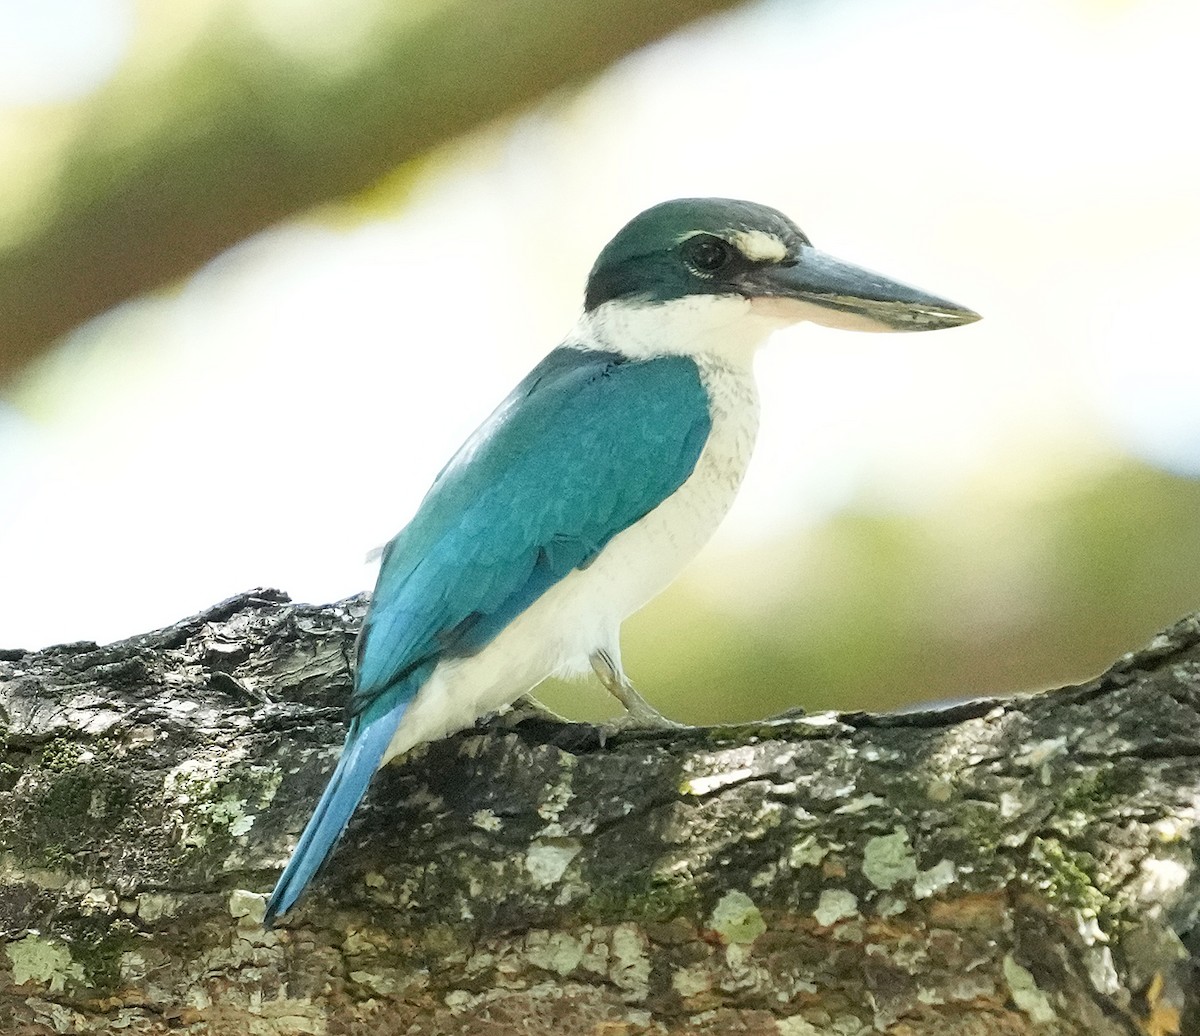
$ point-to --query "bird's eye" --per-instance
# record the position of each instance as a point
(706, 255)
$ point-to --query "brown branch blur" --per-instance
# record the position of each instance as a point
(165, 172)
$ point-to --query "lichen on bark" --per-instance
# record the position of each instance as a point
(996, 867)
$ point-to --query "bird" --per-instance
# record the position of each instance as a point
(590, 486)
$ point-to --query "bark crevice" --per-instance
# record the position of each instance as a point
(1012, 866)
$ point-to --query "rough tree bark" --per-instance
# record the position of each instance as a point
(1025, 866)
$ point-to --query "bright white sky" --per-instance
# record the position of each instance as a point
(58, 50)
(283, 412)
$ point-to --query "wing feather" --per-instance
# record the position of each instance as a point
(586, 445)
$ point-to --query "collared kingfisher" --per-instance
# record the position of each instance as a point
(590, 486)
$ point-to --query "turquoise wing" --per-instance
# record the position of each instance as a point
(586, 445)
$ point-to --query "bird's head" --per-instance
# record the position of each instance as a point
(708, 269)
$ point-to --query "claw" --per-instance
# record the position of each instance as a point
(524, 708)
(639, 714)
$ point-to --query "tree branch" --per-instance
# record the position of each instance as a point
(165, 172)
(997, 867)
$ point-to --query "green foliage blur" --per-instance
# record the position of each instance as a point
(879, 612)
(224, 421)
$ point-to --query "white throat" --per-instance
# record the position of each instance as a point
(727, 328)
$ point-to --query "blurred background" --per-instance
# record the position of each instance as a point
(265, 263)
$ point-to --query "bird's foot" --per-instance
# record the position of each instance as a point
(526, 707)
(639, 714)
(647, 718)
(644, 716)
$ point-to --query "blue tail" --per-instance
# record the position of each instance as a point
(370, 733)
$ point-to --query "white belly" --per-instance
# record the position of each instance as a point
(584, 611)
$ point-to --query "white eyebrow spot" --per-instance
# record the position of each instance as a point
(760, 245)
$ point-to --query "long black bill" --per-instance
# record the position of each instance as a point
(839, 294)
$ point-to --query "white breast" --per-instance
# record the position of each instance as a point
(587, 608)
(584, 611)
